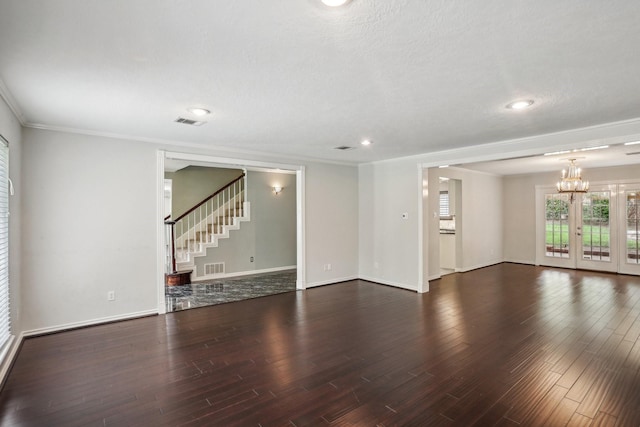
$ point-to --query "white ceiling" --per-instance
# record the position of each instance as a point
(295, 78)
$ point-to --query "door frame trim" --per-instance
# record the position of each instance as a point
(539, 191)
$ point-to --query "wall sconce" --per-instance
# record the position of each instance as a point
(277, 189)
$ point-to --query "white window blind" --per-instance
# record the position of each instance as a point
(444, 203)
(5, 325)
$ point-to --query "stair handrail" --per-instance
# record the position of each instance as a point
(206, 199)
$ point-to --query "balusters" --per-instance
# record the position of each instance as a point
(194, 233)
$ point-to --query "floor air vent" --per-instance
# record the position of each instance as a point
(189, 121)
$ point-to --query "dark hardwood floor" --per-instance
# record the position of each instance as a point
(505, 345)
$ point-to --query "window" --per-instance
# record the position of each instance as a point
(444, 204)
(5, 326)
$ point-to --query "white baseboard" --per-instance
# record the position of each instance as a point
(477, 266)
(434, 277)
(243, 273)
(330, 281)
(8, 356)
(92, 322)
(388, 283)
(519, 261)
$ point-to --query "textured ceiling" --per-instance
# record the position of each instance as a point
(297, 78)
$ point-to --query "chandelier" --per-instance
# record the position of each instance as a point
(571, 181)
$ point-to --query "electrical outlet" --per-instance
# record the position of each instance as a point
(251, 259)
(328, 267)
(111, 295)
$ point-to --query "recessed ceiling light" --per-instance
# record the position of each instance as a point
(632, 143)
(554, 153)
(520, 105)
(334, 3)
(198, 111)
(443, 166)
(366, 142)
(576, 150)
(599, 147)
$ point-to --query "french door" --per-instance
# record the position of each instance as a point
(629, 219)
(597, 230)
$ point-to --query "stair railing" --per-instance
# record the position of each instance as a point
(195, 227)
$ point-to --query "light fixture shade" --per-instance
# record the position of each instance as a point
(571, 181)
(277, 189)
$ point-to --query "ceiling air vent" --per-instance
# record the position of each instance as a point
(633, 154)
(344, 148)
(189, 121)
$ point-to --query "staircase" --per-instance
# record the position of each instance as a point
(206, 223)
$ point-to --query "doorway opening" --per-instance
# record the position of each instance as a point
(450, 230)
(242, 240)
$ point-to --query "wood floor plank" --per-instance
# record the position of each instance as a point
(562, 413)
(604, 420)
(531, 395)
(596, 394)
(578, 420)
(505, 345)
(541, 413)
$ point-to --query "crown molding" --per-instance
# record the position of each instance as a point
(170, 145)
(6, 95)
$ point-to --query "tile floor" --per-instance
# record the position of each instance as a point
(211, 292)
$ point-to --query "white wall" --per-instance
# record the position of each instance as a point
(519, 209)
(11, 130)
(270, 235)
(75, 248)
(331, 223)
(519, 216)
(479, 219)
(89, 210)
(389, 244)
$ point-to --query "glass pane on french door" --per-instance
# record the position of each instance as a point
(596, 227)
(557, 225)
(632, 199)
